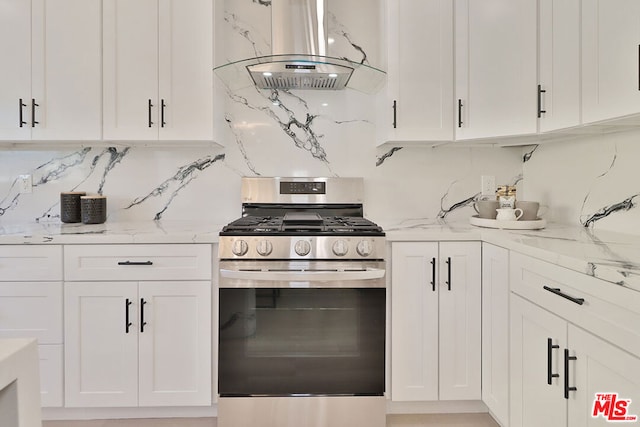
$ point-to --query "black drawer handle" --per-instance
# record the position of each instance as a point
(162, 107)
(142, 322)
(558, 292)
(20, 105)
(448, 261)
(550, 374)
(540, 92)
(149, 106)
(135, 263)
(33, 113)
(433, 274)
(460, 122)
(395, 114)
(567, 358)
(127, 323)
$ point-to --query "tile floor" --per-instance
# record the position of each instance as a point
(433, 420)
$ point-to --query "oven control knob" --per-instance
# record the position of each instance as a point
(264, 247)
(302, 247)
(340, 247)
(239, 248)
(364, 248)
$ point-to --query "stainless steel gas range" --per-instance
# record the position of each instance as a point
(302, 307)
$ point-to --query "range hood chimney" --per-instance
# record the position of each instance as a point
(299, 42)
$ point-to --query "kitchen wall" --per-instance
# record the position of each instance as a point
(591, 181)
(307, 133)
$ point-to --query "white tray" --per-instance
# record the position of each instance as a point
(509, 225)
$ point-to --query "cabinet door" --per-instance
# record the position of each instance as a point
(460, 320)
(15, 72)
(130, 69)
(420, 71)
(610, 50)
(414, 321)
(185, 70)
(559, 64)
(600, 368)
(175, 344)
(496, 67)
(66, 66)
(31, 309)
(101, 350)
(495, 331)
(535, 402)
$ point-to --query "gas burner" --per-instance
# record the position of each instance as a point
(301, 224)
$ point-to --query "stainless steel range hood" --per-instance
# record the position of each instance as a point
(299, 43)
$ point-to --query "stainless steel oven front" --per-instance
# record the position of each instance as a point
(291, 329)
(301, 328)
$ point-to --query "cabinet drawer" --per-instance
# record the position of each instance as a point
(31, 310)
(137, 262)
(30, 262)
(609, 311)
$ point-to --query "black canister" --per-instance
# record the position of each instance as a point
(94, 209)
(70, 209)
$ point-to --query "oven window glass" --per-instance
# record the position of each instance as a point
(301, 341)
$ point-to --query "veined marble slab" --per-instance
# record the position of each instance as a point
(607, 255)
(610, 256)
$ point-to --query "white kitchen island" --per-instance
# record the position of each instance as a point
(19, 383)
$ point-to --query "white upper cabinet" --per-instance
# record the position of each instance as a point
(158, 62)
(558, 64)
(495, 68)
(610, 59)
(418, 105)
(50, 79)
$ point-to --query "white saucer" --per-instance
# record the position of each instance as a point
(509, 225)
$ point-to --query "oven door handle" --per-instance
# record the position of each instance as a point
(303, 275)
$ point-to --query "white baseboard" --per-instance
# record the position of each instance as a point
(119, 413)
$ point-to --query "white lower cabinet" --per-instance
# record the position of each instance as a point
(435, 321)
(558, 369)
(31, 307)
(137, 325)
(495, 331)
(536, 383)
(571, 339)
(137, 344)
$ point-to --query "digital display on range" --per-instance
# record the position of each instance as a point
(303, 187)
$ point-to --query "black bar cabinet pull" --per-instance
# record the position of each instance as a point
(127, 324)
(162, 105)
(142, 322)
(433, 274)
(149, 110)
(395, 114)
(540, 92)
(558, 292)
(448, 261)
(20, 105)
(550, 347)
(459, 113)
(567, 358)
(135, 263)
(33, 113)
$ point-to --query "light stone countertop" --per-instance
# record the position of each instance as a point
(610, 256)
(614, 257)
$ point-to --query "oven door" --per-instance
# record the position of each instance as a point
(301, 328)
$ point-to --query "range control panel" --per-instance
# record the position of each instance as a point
(291, 187)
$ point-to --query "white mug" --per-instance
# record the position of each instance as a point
(506, 214)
